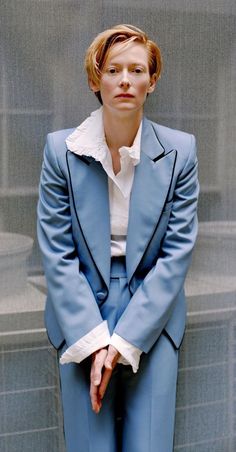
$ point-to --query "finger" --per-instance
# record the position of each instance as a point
(104, 382)
(97, 366)
(95, 398)
(109, 364)
(111, 358)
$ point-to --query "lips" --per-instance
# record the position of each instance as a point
(125, 95)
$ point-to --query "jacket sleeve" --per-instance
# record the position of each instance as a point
(152, 304)
(69, 291)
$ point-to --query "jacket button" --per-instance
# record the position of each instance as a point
(101, 295)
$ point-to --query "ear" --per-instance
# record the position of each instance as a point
(153, 81)
(93, 86)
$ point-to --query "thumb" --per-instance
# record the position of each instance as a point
(108, 364)
(111, 358)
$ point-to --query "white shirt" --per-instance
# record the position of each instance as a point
(89, 139)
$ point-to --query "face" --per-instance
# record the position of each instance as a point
(125, 80)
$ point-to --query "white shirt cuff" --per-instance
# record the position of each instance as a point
(98, 337)
(130, 355)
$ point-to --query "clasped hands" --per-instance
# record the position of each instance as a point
(103, 363)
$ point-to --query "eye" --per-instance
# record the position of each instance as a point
(112, 70)
(137, 70)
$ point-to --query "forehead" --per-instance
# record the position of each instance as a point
(132, 52)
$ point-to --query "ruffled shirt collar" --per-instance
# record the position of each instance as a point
(89, 139)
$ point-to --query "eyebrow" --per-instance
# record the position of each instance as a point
(137, 63)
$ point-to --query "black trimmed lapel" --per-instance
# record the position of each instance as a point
(152, 179)
(89, 186)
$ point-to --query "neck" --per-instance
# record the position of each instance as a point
(120, 130)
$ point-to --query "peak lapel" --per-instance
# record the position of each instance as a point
(91, 199)
(150, 189)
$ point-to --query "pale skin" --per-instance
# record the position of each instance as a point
(124, 84)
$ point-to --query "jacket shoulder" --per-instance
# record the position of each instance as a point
(184, 143)
(57, 139)
(173, 138)
(56, 148)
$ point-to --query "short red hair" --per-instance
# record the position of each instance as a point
(100, 47)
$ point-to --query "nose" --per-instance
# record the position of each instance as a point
(124, 81)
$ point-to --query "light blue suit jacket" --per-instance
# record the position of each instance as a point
(74, 236)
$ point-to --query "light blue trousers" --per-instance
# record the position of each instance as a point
(138, 410)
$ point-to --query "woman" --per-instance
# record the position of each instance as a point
(116, 225)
